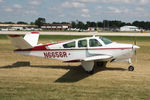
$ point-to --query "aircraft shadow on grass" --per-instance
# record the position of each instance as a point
(17, 64)
(75, 73)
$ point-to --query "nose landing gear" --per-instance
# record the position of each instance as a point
(130, 68)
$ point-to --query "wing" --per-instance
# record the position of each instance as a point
(98, 57)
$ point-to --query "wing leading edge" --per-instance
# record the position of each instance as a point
(98, 57)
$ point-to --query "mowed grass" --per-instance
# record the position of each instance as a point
(48, 79)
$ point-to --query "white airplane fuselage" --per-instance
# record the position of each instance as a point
(118, 51)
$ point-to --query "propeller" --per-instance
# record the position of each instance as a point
(94, 33)
(134, 46)
(135, 50)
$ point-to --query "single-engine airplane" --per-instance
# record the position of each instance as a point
(90, 51)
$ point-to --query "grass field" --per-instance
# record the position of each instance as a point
(54, 80)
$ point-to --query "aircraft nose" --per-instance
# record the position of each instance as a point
(136, 47)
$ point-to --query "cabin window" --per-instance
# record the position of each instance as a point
(82, 43)
(94, 43)
(105, 40)
(69, 45)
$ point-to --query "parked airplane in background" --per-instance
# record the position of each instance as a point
(89, 51)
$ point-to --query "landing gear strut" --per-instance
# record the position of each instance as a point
(130, 68)
(88, 66)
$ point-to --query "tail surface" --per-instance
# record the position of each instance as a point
(30, 40)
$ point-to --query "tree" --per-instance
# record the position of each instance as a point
(21, 22)
(40, 21)
(56, 23)
(91, 24)
(115, 24)
(128, 24)
(80, 25)
(105, 23)
(88, 23)
(74, 25)
(8, 23)
(99, 24)
(32, 23)
(142, 24)
(64, 23)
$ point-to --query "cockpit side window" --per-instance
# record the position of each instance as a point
(69, 45)
(94, 43)
(82, 43)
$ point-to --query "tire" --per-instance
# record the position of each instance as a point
(130, 68)
(91, 72)
(101, 64)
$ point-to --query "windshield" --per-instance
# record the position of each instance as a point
(105, 40)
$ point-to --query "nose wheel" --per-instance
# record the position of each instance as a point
(130, 68)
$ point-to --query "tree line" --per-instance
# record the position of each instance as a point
(81, 25)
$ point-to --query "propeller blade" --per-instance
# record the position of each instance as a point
(135, 56)
(134, 48)
(134, 40)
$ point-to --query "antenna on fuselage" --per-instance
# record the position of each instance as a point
(94, 33)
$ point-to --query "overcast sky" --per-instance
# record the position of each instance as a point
(71, 10)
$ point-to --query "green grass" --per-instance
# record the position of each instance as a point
(68, 37)
(59, 37)
(28, 91)
(3, 36)
(128, 38)
(120, 38)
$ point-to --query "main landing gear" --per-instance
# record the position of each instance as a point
(89, 66)
(130, 68)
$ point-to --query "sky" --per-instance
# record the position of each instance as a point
(72, 10)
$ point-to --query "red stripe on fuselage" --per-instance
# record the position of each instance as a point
(45, 49)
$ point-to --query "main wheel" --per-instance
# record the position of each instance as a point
(101, 64)
(91, 72)
(131, 68)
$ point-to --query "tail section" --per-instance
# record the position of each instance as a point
(32, 38)
(29, 41)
